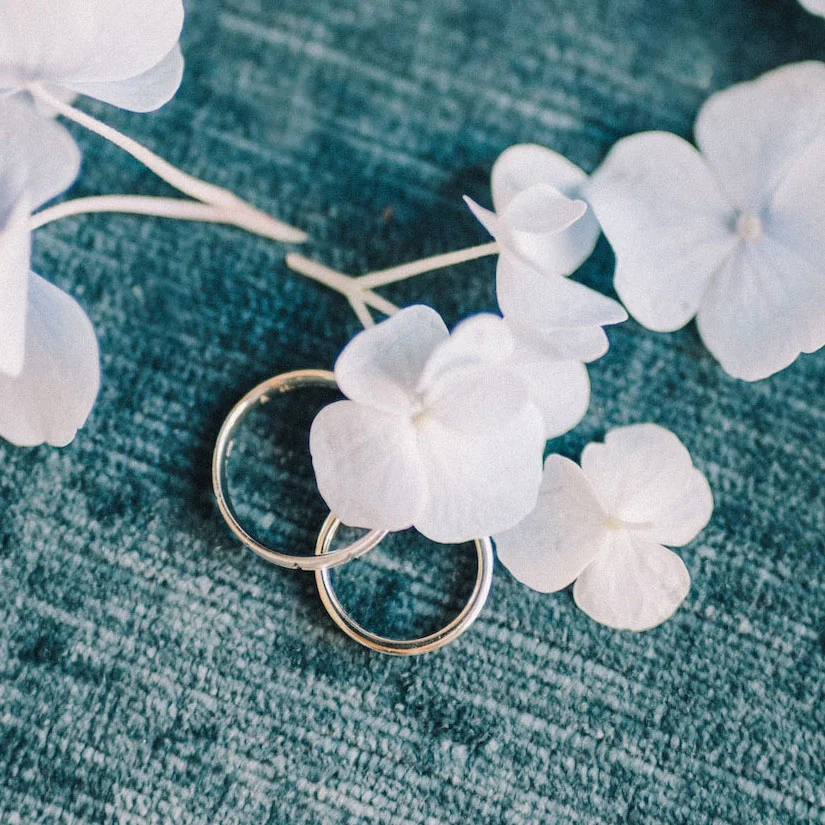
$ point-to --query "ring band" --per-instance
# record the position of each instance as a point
(279, 384)
(403, 647)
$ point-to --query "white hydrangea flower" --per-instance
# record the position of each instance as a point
(734, 235)
(119, 51)
(546, 232)
(437, 433)
(604, 524)
(49, 363)
(539, 217)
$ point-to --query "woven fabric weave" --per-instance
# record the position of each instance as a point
(154, 672)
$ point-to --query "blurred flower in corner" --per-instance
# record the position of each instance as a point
(814, 6)
(118, 51)
(49, 361)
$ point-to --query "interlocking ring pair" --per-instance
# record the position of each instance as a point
(324, 559)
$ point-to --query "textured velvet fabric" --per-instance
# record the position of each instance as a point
(153, 671)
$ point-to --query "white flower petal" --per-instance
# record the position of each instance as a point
(52, 397)
(465, 385)
(520, 167)
(795, 233)
(367, 466)
(765, 307)
(753, 133)
(141, 93)
(550, 547)
(44, 39)
(686, 517)
(560, 389)
(541, 210)
(639, 473)
(531, 225)
(382, 366)
(477, 400)
(15, 246)
(814, 6)
(545, 302)
(480, 484)
(85, 40)
(633, 585)
(668, 222)
(489, 220)
(584, 344)
(482, 340)
(45, 154)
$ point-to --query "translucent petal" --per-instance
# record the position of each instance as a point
(45, 153)
(765, 307)
(475, 401)
(15, 246)
(550, 547)
(481, 340)
(85, 40)
(633, 585)
(584, 344)
(524, 165)
(541, 210)
(465, 385)
(686, 517)
(45, 39)
(489, 220)
(382, 366)
(668, 222)
(814, 6)
(560, 389)
(53, 395)
(480, 484)
(531, 224)
(639, 473)
(141, 93)
(527, 296)
(367, 466)
(753, 133)
(795, 234)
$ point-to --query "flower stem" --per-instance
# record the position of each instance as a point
(183, 210)
(382, 277)
(202, 191)
(359, 297)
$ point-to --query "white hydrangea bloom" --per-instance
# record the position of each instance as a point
(436, 433)
(604, 524)
(539, 216)
(49, 363)
(119, 51)
(546, 232)
(733, 234)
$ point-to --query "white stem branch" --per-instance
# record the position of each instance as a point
(382, 277)
(255, 220)
(182, 210)
(358, 297)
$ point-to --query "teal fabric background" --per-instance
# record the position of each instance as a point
(152, 671)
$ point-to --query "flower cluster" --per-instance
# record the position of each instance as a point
(118, 52)
(447, 432)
